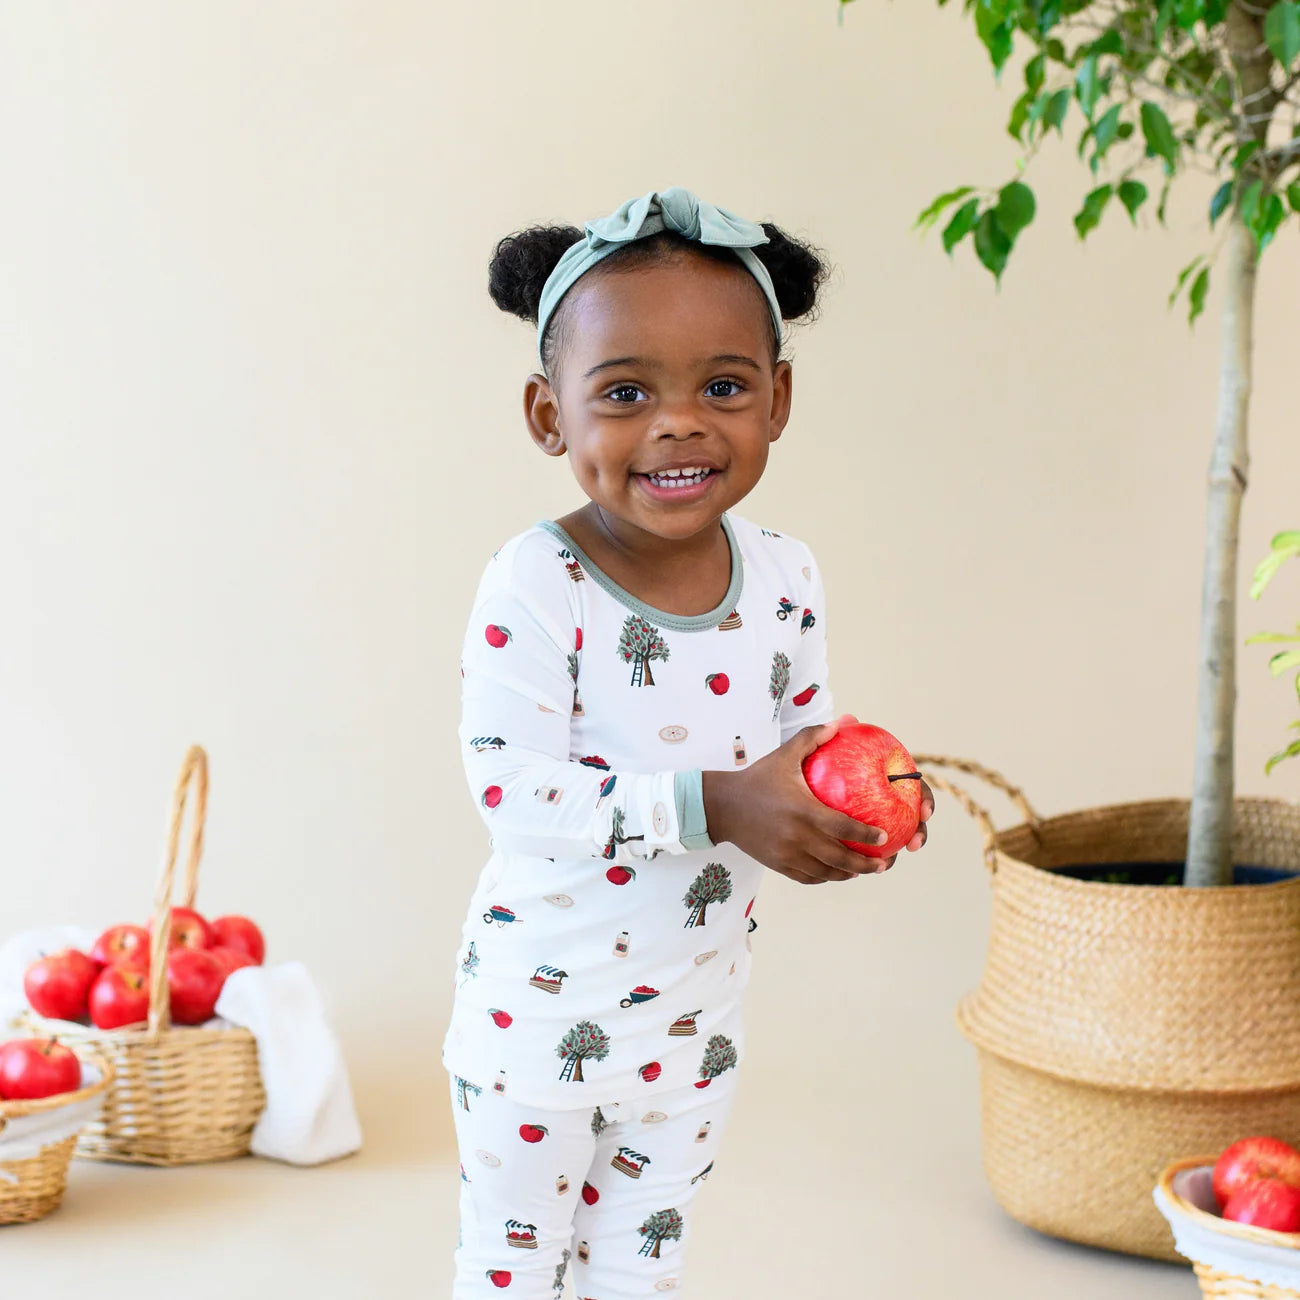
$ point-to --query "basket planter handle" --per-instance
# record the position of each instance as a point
(193, 769)
(977, 811)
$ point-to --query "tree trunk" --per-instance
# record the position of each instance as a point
(649, 676)
(1209, 840)
(577, 1070)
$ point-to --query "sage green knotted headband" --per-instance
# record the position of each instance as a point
(673, 209)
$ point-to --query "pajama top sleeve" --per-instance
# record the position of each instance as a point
(520, 666)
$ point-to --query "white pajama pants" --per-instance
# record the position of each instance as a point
(606, 1191)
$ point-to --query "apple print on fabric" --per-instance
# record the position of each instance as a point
(585, 1041)
(639, 644)
(620, 875)
(630, 1162)
(499, 1277)
(718, 683)
(496, 636)
(533, 1133)
(805, 696)
(523, 1235)
(780, 680)
(491, 796)
(549, 979)
(712, 885)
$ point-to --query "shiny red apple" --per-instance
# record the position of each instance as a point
(865, 772)
(119, 996)
(1251, 1158)
(31, 1068)
(58, 986)
(1266, 1203)
(122, 944)
(189, 929)
(239, 932)
(194, 979)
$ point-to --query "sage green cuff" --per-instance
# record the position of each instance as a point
(693, 827)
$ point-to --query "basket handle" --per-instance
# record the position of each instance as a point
(195, 767)
(977, 811)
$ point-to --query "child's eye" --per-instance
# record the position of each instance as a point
(622, 388)
(726, 383)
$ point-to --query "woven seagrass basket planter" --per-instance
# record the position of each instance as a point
(1120, 1026)
(182, 1094)
(32, 1187)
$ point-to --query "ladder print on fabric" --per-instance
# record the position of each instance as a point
(550, 979)
(663, 1225)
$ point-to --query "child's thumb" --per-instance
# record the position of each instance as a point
(809, 739)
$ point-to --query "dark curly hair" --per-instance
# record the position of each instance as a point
(522, 262)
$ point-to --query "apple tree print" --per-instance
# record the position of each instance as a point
(780, 682)
(585, 1040)
(661, 1226)
(719, 1055)
(639, 644)
(464, 1088)
(616, 837)
(573, 672)
(712, 885)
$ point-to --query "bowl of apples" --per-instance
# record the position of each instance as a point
(1236, 1216)
(48, 1093)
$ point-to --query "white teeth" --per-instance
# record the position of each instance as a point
(676, 478)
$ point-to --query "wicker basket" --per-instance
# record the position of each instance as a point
(183, 1095)
(1118, 1026)
(32, 1187)
(1233, 1261)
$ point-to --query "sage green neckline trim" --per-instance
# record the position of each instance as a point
(660, 617)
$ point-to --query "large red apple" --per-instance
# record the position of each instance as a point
(119, 996)
(57, 986)
(31, 1068)
(122, 945)
(1251, 1158)
(189, 929)
(194, 979)
(230, 960)
(239, 932)
(1266, 1203)
(865, 772)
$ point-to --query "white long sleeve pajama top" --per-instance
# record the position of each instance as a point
(606, 949)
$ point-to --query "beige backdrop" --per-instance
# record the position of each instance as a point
(261, 430)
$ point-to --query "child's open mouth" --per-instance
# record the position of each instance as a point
(678, 484)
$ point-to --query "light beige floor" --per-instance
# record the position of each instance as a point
(889, 1203)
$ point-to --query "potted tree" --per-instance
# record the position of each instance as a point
(1118, 1026)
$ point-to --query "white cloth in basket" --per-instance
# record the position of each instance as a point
(309, 1117)
(23, 1137)
(1271, 1265)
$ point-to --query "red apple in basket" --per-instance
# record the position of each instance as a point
(122, 945)
(230, 960)
(1266, 1203)
(57, 986)
(194, 979)
(189, 929)
(865, 772)
(31, 1068)
(239, 932)
(119, 997)
(1251, 1158)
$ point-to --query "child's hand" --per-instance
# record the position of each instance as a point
(769, 812)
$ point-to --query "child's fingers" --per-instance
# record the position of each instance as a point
(927, 802)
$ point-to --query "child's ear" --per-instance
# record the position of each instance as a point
(782, 384)
(542, 415)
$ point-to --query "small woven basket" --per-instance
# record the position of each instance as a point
(1118, 1026)
(1243, 1255)
(32, 1187)
(183, 1095)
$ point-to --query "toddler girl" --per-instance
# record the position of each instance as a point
(642, 680)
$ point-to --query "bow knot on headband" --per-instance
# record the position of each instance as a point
(674, 209)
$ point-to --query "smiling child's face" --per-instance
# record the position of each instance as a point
(664, 367)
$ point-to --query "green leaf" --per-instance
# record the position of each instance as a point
(1284, 547)
(995, 32)
(1109, 42)
(1164, 17)
(1105, 133)
(1282, 31)
(1271, 218)
(1293, 195)
(1200, 287)
(960, 226)
(1270, 638)
(1219, 203)
(1088, 86)
(1016, 209)
(1057, 108)
(1036, 73)
(1182, 278)
(992, 245)
(1250, 202)
(1279, 663)
(1021, 113)
(1289, 752)
(1159, 135)
(1132, 194)
(1089, 217)
(1188, 13)
(931, 214)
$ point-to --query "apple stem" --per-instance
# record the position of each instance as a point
(907, 776)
